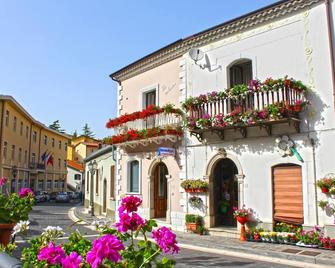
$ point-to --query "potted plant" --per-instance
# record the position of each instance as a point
(324, 242)
(194, 186)
(13, 208)
(223, 206)
(242, 215)
(332, 244)
(325, 184)
(201, 230)
(192, 222)
(195, 201)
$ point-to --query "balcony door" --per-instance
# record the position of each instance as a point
(160, 190)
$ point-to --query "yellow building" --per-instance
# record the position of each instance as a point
(81, 147)
(32, 155)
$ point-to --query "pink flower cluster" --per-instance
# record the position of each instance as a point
(129, 220)
(24, 192)
(105, 247)
(3, 181)
(166, 240)
(56, 255)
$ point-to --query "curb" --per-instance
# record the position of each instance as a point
(244, 252)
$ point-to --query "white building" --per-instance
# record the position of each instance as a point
(75, 176)
(101, 190)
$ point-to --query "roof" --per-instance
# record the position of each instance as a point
(218, 32)
(100, 152)
(18, 105)
(75, 165)
(91, 144)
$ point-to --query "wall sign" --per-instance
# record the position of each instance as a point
(166, 151)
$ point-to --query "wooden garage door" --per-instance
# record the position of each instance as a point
(287, 194)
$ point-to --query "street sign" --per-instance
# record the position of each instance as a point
(165, 151)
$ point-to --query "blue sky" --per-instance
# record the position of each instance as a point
(56, 56)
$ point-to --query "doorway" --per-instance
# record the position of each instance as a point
(104, 204)
(160, 190)
(225, 192)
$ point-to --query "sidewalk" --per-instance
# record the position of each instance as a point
(231, 246)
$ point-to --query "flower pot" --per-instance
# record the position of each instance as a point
(191, 226)
(5, 232)
(242, 220)
(297, 108)
(324, 190)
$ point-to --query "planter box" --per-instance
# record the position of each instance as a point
(195, 190)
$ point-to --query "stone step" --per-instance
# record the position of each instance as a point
(224, 232)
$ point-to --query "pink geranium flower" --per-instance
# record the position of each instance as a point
(25, 192)
(52, 254)
(105, 247)
(130, 203)
(129, 222)
(166, 240)
(72, 261)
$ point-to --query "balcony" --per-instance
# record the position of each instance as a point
(36, 166)
(247, 111)
(147, 128)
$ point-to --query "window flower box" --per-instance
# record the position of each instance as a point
(195, 186)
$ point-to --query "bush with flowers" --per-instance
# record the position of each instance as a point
(309, 238)
(116, 246)
(242, 212)
(15, 207)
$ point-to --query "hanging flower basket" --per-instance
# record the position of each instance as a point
(199, 190)
(5, 232)
(324, 190)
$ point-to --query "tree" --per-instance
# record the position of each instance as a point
(56, 126)
(87, 131)
(75, 134)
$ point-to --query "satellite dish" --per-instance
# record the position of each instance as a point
(196, 54)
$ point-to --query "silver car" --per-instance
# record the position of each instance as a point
(63, 197)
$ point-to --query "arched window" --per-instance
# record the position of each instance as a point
(134, 176)
(240, 72)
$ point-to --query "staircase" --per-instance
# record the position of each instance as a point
(229, 232)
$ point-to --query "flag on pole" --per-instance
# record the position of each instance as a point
(45, 156)
(50, 160)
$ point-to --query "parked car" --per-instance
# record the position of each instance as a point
(47, 196)
(39, 197)
(53, 195)
(62, 197)
(71, 194)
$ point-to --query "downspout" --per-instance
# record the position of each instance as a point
(315, 187)
(331, 44)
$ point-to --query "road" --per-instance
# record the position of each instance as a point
(45, 214)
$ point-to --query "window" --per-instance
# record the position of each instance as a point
(14, 124)
(134, 177)
(97, 181)
(5, 150)
(13, 152)
(65, 146)
(59, 163)
(20, 154)
(25, 156)
(49, 185)
(34, 136)
(45, 139)
(40, 184)
(56, 184)
(33, 158)
(77, 177)
(87, 181)
(7, 118)
(21, 128)
(27, 132)
(150, 98)
(112, 182)
(240, 73)
(53, 142)
(60, 145)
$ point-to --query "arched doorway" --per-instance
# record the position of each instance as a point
(160, 190)
(104, 204)
(225, 192)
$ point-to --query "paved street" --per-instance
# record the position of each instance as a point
(45, 214)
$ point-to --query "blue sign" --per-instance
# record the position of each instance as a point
(165, 151)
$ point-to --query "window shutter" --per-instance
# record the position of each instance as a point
(112, 182)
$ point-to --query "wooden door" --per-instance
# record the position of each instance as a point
(160, 191)
(287, 194)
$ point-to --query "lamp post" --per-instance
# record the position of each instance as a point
(92, 167)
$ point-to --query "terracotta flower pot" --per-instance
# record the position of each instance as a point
(242, 220)
(191, 226)
(325, 190)
(5, 232)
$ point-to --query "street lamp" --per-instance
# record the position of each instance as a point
(92, 167)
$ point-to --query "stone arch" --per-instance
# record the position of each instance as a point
(209, 170)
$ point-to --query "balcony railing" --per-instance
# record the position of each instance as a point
(258, 104)
(150, 125)
(34, 165)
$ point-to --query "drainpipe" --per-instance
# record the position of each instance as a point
(315, 187)
(331, 44)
